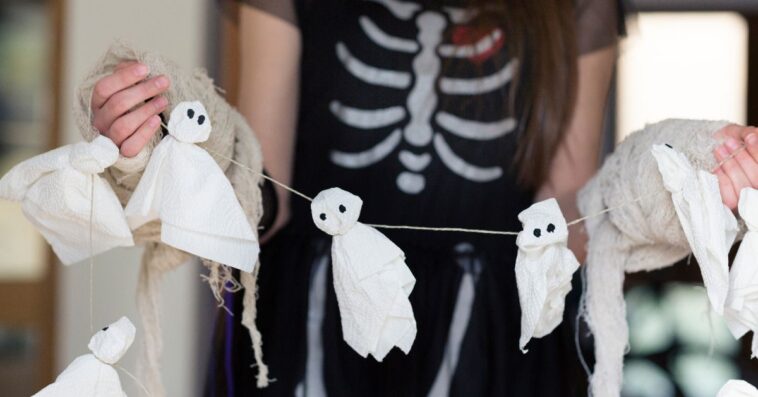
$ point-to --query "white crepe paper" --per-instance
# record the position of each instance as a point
(710, 227)
(185, 188)
(371, 280)
(741, 312)
(544, 268)
(56, 193)
(737, 388)
(92, 375)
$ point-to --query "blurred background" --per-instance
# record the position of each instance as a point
(682, 58)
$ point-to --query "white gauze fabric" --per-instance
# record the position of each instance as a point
(56, 194)
(371, 280)
(544, 267)
(737, 388)
(709, 225)
(185, 188)
(92, 375)
(741, 311)
(633, 226)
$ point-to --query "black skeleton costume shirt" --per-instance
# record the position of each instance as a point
(405, 104)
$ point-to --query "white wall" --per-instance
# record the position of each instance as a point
(178, 29)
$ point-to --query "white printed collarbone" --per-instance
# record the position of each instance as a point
(741, 311)
(195, 202)
(544, 268)
(93, 375)
(371, 280)
(58, 190)
(710, 227)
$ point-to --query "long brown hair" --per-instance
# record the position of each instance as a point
(541, 34)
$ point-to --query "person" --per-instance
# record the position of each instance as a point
(436, 113)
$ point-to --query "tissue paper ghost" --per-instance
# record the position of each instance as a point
(57, 190)
(741, 311)
(737, 388)
(544, 267)
(709, 225)
(185, 188)
(371, 279)
(92, 375)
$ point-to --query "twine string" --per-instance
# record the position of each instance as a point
(92, 279)
(91, 257)
(422, 228)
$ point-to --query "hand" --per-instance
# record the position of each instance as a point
(741, 171)
(114, 106)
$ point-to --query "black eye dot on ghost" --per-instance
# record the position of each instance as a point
(105, 329)
(550, 228)
(537, 233)
(342, 208)
(322, 216)
(190, 113)
(201, 120)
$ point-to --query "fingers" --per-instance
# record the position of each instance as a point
(751, 145)
(731, 177)
(134, 143)
(125, 75)
(123, 101)
(747, 164)
(728, 195)
(126, 125)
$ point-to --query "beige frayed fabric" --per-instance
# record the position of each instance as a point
(231, 138)
(642, 233)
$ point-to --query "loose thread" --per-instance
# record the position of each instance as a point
(92, 279)
(134, 378)
(580, 314)
(91, 257)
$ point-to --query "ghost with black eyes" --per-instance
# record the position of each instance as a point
(371, 280)
(544, 268)
(93, 375)
(187, 191)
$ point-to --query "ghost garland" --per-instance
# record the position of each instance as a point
(544, 268)
(57, 190)
(371, 280)
(184, 188)
(93, 375)
(707, 223)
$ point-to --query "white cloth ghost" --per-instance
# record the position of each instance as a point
(710, 227)
(544, 268)
(185, 188)
(741, 311)
(371, 279)
(56, 194)
(737, 388)
(92, 375)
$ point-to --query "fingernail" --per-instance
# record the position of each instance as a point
(140, 70)
(161, 82)
(161, 102)
(154, 121)
(732, 144)
(722, 151)
(752, 139)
